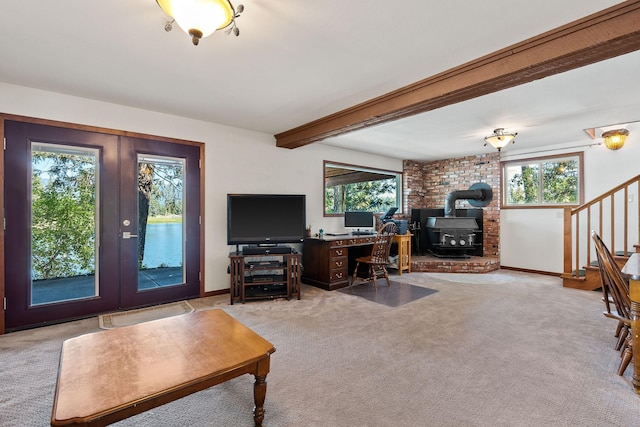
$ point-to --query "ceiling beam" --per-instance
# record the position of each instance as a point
(603, 35)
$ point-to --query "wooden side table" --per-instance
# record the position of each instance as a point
(404, 252)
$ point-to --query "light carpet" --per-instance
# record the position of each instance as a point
(132, 317)
(515, 350)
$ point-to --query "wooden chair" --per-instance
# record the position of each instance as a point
(609, 291)
(606, 286)
(379, 257)
(615, 289)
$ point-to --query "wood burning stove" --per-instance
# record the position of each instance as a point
(452, 236)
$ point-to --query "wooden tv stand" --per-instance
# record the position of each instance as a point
(264, 276)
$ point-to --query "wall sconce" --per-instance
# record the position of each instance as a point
(200, 18)
(614, 139)
(500, 139)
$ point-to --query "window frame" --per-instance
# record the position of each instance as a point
(399, 177)
(579, 156)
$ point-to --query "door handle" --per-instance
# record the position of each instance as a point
(128, 235)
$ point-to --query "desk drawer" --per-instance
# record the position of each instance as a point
(339, 275)
(336, 243)
(361, 241)
(338, 263)
(337, 253)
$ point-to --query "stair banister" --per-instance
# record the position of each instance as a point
(575, 245)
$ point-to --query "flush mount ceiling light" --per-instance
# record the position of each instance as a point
(614, 139)
(499, 138)
(200, 18)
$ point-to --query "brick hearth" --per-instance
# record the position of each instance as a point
(429, 263)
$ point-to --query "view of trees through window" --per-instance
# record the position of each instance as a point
(160, 193)
(63, 213)
(549, 181)
(351, 188)
(64, 210)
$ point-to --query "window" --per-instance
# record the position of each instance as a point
(354, 188)
(552, 181)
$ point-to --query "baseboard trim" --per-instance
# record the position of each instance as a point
(214, 293)
(526, 270)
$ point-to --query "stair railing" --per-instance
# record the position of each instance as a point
(603, 215)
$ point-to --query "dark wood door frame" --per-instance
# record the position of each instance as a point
(603, 35)
(130, 148)
(18, 221)
(4, 117)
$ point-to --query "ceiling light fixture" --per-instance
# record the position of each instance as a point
(201, 18)
(499, 139)
(614, 139)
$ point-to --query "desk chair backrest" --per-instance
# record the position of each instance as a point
(382, 244)
(615, 287)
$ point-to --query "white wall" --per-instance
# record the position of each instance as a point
(240, 161)
(236, 160)
(533, 238)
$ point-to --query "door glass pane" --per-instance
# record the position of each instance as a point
(160, 222)
(64, 243)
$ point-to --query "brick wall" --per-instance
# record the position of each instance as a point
(426, 184)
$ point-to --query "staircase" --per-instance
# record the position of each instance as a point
(609, 215)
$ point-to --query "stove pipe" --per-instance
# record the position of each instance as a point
(479, 195)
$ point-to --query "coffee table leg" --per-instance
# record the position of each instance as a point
(260, 390)
(259, 394)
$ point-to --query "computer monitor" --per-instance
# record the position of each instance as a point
(358, 219)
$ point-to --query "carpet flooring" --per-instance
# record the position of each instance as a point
(500, 349)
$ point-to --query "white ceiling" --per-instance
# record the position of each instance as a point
(296, 61)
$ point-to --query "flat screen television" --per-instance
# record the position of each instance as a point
(265, 219)
(358, 219)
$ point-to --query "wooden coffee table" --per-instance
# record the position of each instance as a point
(111, 375)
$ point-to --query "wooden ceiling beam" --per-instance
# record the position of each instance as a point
(606, 34)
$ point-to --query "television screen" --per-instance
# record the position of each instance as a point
(355, 219)
(265, 218)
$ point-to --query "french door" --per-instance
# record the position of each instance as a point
(97, 222)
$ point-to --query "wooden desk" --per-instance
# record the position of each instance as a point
(632, 271)
(111, 375)
(404, 252)
(329, 262)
